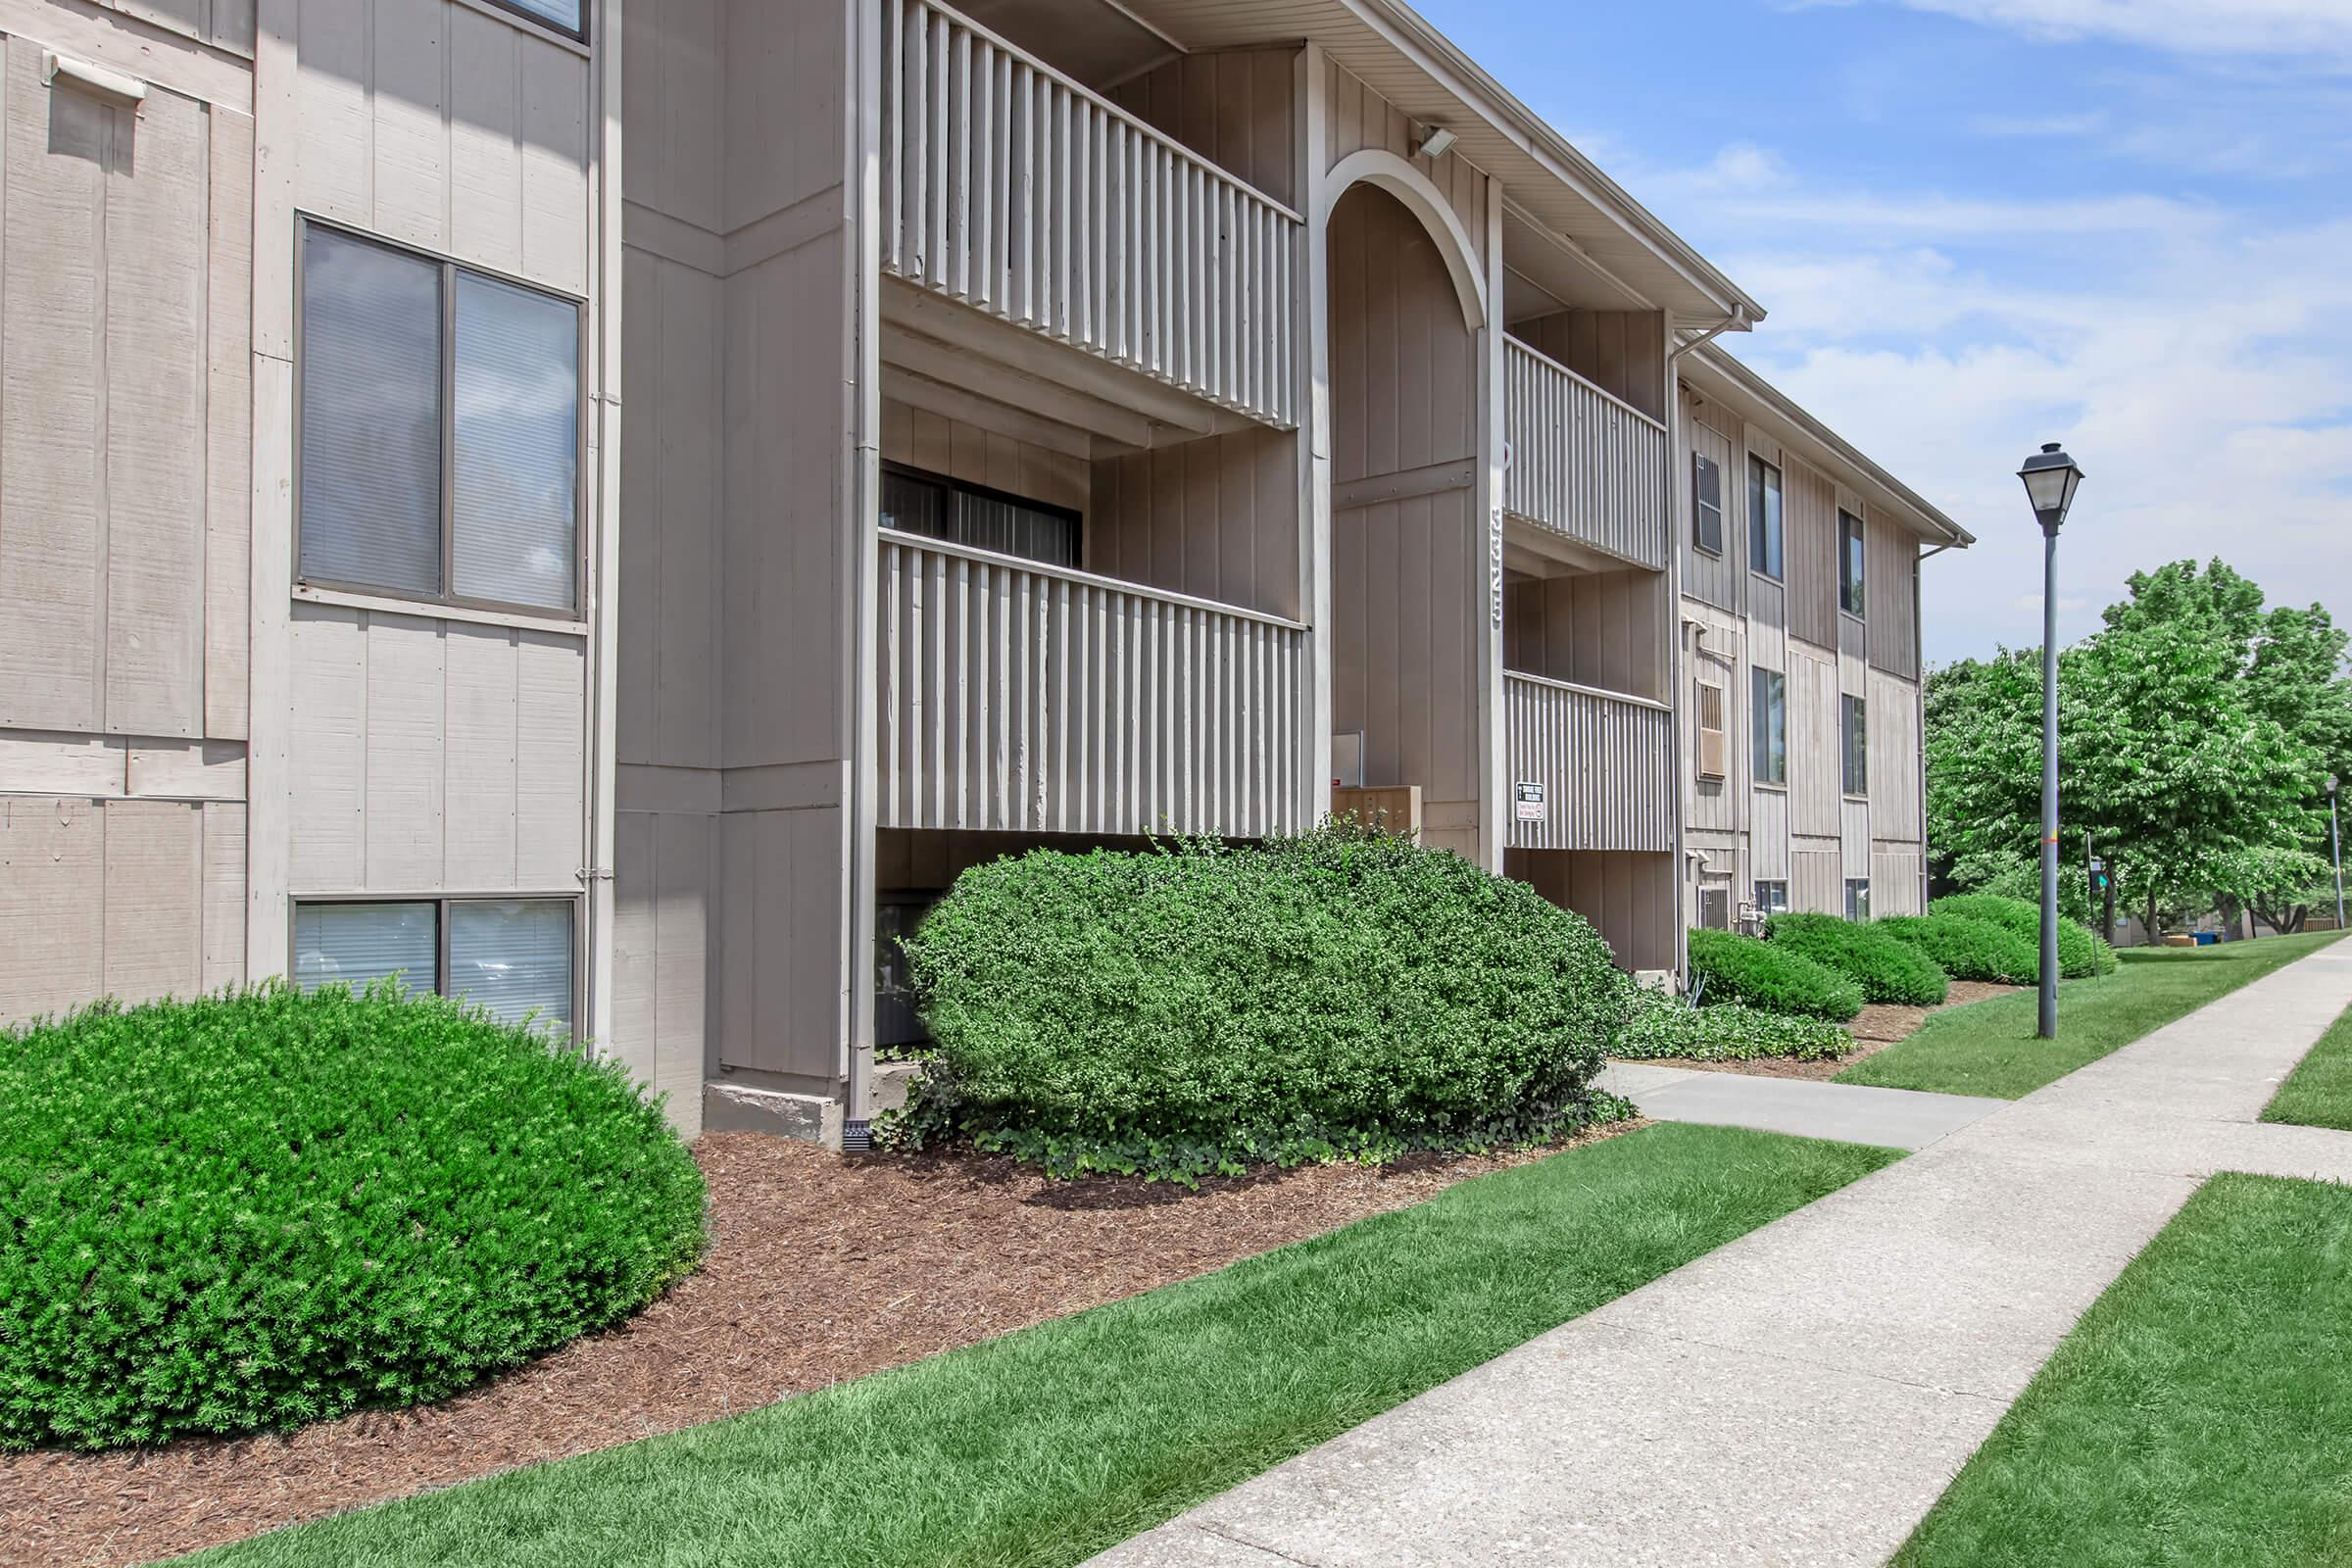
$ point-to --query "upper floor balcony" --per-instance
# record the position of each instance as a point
(1007, 186)
(1584, 464)
(1601, 764)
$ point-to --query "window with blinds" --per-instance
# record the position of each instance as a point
(1706, 504)
(979, 518)
(511, 955)
(440, 442)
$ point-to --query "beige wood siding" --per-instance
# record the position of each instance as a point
(1604, 764)
(435, 755)
(1894, 748)
(1809, 512)
(122, 409)
(135, 898)
(1233, 107)
(976, 455)
(1360, 118)
(1716, 805)
(1629, 898)
(783, 952)
(1853, 838)
(1216, 518)
(1816, 876)
(1584, 462)
(1621, 352)
(1890, 578)
(1596, 629)
(1894, 881)
(1768, 834)
(1815, 761)
(667, 873)
(1722, 579)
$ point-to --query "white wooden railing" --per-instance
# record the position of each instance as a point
(1008, 186)
(1604, 762)
(1584, 462)
(1015, 696)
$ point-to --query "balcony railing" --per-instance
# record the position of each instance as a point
(1008, 186)
(1604, 762)
(1583, 463)
(1022, 697)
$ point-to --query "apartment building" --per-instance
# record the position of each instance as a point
(606, 506)
(1800, 652)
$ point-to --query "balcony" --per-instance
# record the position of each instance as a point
(1584, 464)
(1605, 762)
(1011, 188)
(1019, 697)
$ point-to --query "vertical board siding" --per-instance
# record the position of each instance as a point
(666, 903)
(123, 409)
(1720, 581)
(1592, 628)
(1357, 117)
(1809, 550)
(1014, 697)
(1583, 464)
(1895, 750)
(435, 755)
(1768, 835)
(1605, 762)
(1621, 352)
(961, 450)
(1816, 760)
(1216, 518)
(1890, 594)
(128, 897)
(1232, 106)
(1012, 188)
(1816, 876)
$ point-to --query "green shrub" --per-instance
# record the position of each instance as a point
(1745, 970)
(1195, 1010)
(1667, 1028)
(268, 1209)
(2081, 951)
(1885, 969)
(1966, 948)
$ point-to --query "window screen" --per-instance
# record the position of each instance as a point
(371, 416)
(1849, 563)
(1763, 517)
(1769, 711)
(1706, 504)
(514, 956)
(514, 504)
(978, 518)
(1854, 724)
(363, 942)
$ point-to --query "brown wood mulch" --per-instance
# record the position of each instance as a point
(1877, 1026)
(822, 1268)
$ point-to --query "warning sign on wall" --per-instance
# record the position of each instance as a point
(1527, 801)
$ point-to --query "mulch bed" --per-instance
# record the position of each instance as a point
(822, 1268)
(1878, 1025)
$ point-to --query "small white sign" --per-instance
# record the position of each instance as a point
(1527, 801)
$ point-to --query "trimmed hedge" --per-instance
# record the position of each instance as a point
(2081, 951)
(1966, 948)
(1669, 1029)
(1887, 970)
(266, 1208)
(1775, 979)
(1195, 1010)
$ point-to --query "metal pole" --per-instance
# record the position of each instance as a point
(2335, 849)
(2048, 1029)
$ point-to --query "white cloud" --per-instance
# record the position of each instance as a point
(2191, 26)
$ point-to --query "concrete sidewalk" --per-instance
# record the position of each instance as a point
(1803, 1394)
(1853, 1113)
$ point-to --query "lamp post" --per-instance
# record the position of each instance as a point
(2050, 478)
(2336, 851)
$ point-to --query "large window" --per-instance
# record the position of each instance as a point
(512, 955)
(1768, 711)
(440, 429)
(940, 508)
(1849, 563)
(1853, 735)
(1706, 504)
(1763, 517)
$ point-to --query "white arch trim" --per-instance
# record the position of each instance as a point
(1375, 165)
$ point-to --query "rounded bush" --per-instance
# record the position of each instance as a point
(1343, 993)
(1667, 1028)
(268, 1209)
(1885, 969)
(1773, 978)
(2081, 951)
(1966, 948)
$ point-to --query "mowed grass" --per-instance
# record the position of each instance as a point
(1049, 1445)
(1988, 1047)
(2200, 1413)
(2318, 1091)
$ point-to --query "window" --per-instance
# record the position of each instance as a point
(512, 955)
(1769, 714)
(897, 1020)
(1857, 897)
(1849, 563)
(1772, 898)
(1715, 909)
(940, 508)
(564, 16)
(1763, 517)
(440, 448)
(1853, 734)
(1706, 504)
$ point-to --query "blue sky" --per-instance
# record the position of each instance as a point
(1980, 225)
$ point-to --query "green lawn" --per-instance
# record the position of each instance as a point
(1049, 1445)
(2319, 1093)
(2200, 1413)
(1988, 1047)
